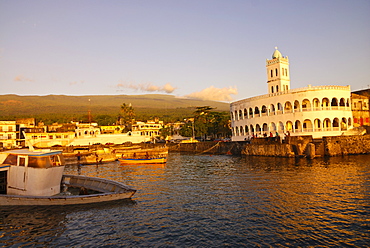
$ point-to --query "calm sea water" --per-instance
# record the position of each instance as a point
(210, 201)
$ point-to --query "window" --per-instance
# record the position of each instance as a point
(276, 72)
(272, 89)
(286, 72)
(271, 74)
(277, 88)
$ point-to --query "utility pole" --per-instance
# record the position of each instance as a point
(89, 111)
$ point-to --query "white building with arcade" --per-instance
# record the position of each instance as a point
(313, 110)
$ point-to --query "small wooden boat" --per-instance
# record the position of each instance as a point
(138, 152)
(98, 158)
(76, 190)
(161, 160)
(35, 177)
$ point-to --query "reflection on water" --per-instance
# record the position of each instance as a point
(210, 201)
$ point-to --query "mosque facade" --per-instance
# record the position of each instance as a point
(313, 110)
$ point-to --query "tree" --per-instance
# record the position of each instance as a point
(127, 116)
(202, 121)
(105, 120)
(207, 124)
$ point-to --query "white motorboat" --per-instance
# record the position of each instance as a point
(35, 177)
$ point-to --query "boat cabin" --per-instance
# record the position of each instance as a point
(31, 172)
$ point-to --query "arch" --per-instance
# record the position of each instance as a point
(297, 126)
(289, 126)
(272, 109)
(265, 127)
(288, 107)
(307, 126)
(349, 122)
(256, 111)
(246, 130)
(336, 124)
(232, 116)
(251, 113)
(241, 130)
(347, 103)
(325, 103)
(272, 127)
(245, 112)
(342, 102)
(317, 124)
(343, 124)
(240, 114)
(334, 102)
(236, 115)
(279, 108)
(258, 130)
(326, 124)
(264, 110)
(280, 127)
(316, 104)
(297, 106)
(306, 105)
(251, 129)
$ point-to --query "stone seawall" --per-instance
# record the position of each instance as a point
(305, 146)
(208, 147)
(345, 145)
(278, 150)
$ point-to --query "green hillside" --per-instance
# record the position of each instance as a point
(58, 108)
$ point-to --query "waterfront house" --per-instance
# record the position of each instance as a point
(360, 110)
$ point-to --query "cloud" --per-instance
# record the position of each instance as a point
(214, 94)
(21, 78)
(76, 82)
(149, 87)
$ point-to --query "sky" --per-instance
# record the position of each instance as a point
(204, 49)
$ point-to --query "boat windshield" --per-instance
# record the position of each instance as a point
(37, 161)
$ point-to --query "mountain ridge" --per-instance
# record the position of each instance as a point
(12, 105)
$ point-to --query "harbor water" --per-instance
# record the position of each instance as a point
(210, 201)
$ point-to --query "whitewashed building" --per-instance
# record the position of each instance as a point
(313, 110)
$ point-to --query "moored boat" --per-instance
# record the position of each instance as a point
(35, 177)
(161, 160)
(138, 152)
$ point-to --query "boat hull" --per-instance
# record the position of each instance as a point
(143, 161)
(110, 191)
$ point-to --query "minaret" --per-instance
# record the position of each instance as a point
(278, 74)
